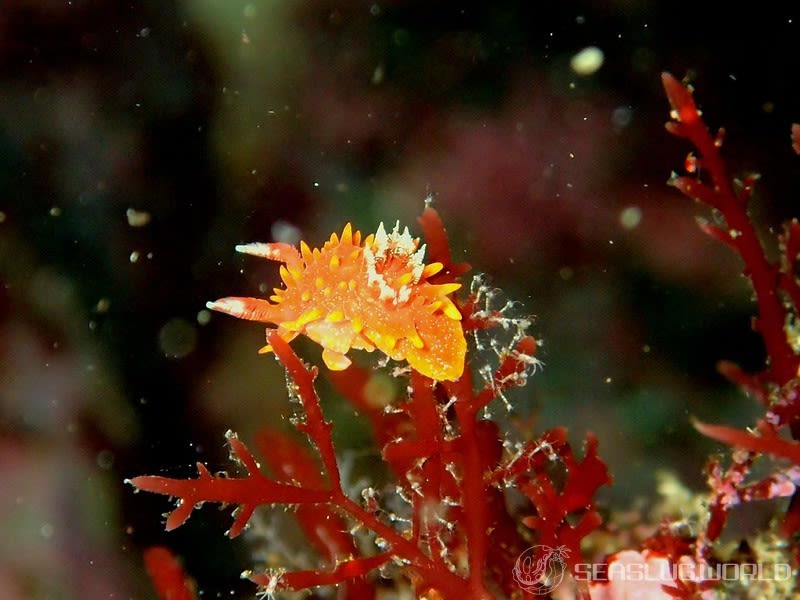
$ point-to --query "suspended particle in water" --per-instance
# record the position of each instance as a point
(286, 232)
(102, 305)
(630, 217)
(137, 218)
(177, 338)
(587, 61)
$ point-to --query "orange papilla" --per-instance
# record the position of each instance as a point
(363, 295)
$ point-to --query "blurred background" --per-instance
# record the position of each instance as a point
(140, 141)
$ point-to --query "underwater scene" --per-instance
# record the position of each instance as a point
(399, 300)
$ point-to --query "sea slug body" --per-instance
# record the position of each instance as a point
(365, 295)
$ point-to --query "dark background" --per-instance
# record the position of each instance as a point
(140, 141)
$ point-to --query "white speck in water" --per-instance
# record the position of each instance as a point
(137, 218)
(587, 61)
(622, 116)
(102, 305)
(630, 217)
(377, 75)
(286, 232)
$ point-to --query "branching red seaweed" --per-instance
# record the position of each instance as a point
(775, 285)
(167, 574)
(450, 463)
(771, 281)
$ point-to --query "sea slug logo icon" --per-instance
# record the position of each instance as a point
(540, 569)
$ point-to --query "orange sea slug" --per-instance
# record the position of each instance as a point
(350, 294)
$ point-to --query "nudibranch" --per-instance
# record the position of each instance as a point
(359, 294)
